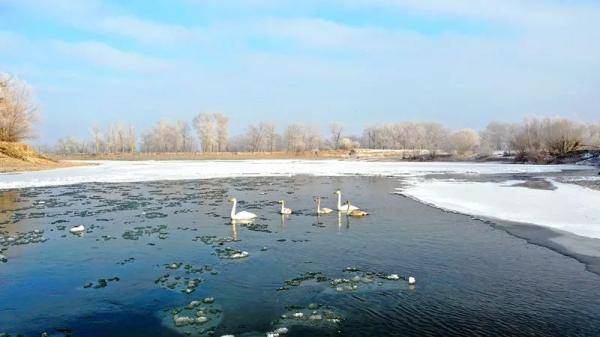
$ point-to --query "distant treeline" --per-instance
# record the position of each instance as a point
(208, 132)
(533, 139)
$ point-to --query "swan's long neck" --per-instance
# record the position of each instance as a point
(339, 200)
(282, 205)
(318, 205)
(233, 208)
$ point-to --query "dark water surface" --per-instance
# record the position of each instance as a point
(472, 279)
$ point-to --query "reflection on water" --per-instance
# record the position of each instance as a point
(8, 206)
(164, 259)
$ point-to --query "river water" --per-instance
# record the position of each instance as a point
(151, 248)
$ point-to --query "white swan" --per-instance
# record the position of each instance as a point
(284, 210)
(77, 229)
(345, 208)
(323, 210)
(243, 215)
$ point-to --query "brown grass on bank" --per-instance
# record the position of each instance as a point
(361, 154)
(204, 155)
(15, 157)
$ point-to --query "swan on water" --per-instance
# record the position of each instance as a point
(411, 280)
(323, 210)
(347, 208)
(357, 212)
(243, 215)
(284, 210)
(77, 229)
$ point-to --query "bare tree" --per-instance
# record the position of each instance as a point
(294, 138)
(271, 137)
(561, 135)
(96, 137)
(532, 128)
(311, 136)
(336, 130)
(131, 139)
(17, 111)
(256, 135)
(184, 140)
(70, 145)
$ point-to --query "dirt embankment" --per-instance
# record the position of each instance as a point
(16, 157)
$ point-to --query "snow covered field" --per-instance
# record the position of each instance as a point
(569, 207)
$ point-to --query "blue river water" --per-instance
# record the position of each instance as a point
(150, 249)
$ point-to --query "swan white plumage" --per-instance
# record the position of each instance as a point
(77, 229)
(284, 210)
(323, 210)
(243, 215)
(347, 208)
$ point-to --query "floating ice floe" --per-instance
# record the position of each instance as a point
(355, 280)
(183, 278)
(140, 231)
(231, 253)
(314, 315)
(77, 229)
(196, 318)
(101, 283)
(569, 207)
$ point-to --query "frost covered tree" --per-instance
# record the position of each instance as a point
(17, 111)
(497, 137)
(464, 141)
(222, 131)
(203, 123)
(293, 138)
(436, 137)
(212, 130)
(592, 136)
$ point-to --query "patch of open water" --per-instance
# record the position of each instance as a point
(156, 259)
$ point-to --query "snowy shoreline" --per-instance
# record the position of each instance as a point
(138, 171)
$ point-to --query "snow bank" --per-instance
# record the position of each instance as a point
(570, 208)
(135, 171)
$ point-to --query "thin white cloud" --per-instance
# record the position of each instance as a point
(147, 31)
(103, 55)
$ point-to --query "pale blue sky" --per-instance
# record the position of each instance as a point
(462, 63)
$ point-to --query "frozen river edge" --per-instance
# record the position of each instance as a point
(567, 218)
